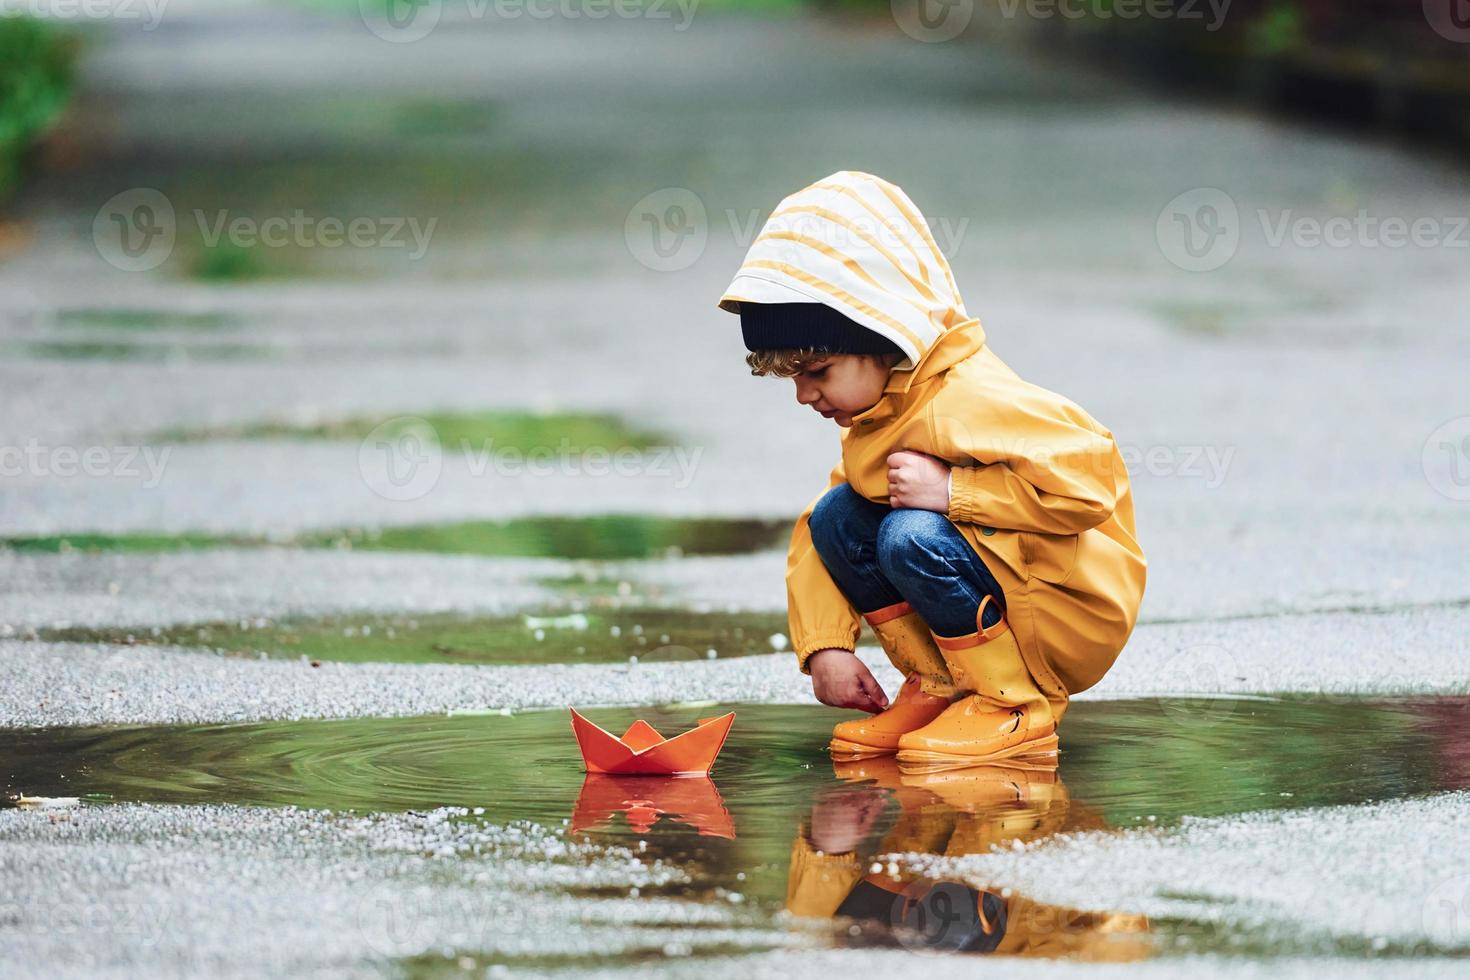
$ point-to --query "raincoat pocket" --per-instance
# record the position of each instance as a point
(1049, 557)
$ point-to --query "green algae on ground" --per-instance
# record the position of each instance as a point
(564, 432)
(134, 350)
(144, 319)
(593, 636)
(609, 536)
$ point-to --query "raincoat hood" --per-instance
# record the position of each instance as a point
(857, 244)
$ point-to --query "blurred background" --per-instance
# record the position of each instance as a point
(304, 273)
(380, 337)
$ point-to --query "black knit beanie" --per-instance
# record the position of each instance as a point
(788, 326)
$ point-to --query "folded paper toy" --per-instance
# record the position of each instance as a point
(691, 800)
(643, 751)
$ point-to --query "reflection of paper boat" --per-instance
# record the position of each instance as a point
(642, 799)
(642, 750)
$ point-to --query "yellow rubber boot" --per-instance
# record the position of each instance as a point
(1002, 715)
(927, 688)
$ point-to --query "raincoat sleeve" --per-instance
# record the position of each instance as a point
(1039, 465)
(817, 883)
(819, 615)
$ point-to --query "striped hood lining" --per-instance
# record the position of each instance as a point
(856, 243)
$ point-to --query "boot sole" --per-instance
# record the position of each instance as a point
(846, 751)
(1039, 750)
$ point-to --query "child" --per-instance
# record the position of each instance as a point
(981, 525)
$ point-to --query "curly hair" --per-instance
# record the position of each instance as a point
(789, 362)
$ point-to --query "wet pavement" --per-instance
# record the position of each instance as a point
(1290, 420)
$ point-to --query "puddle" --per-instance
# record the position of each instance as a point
(593, 636)
(754, 830)
(609, 536)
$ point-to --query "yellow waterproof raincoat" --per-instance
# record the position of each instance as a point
(1039, 487)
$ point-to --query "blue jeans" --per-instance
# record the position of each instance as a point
(880, 555)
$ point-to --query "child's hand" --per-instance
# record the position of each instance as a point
(840, 679)
(918, 481)
(844, 815)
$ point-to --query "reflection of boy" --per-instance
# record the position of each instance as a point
(991, 806)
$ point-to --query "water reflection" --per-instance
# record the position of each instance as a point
(968, 811)
(690, 800)
(779, 827)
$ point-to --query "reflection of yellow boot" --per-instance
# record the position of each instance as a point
(997, 804)
(1004, 715)
(927, 688)
(983, 788)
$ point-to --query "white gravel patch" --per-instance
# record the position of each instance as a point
(879, 962)
(132, 890)
(1394, 874)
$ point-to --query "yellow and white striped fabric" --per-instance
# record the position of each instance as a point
(856, 243)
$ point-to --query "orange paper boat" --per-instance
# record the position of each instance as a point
(642, 750)
(691, 800)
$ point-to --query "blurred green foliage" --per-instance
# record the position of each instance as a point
(35, 81)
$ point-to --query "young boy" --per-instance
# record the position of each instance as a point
(981, 525)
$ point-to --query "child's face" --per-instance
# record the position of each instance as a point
(843, 385)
